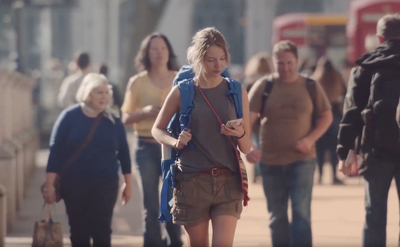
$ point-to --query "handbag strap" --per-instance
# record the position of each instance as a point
(46, 213)
(246, 197)
(79, 150)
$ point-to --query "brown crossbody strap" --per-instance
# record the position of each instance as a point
(79, 150)
(246, 197)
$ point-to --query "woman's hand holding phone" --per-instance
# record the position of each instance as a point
(233, 122)
(233, 128)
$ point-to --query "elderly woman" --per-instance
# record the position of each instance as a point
(87, 147)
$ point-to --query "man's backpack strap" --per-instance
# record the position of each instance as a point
(235, 94)
(269, 83)
(312, 90)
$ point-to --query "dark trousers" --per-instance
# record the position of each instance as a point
(328, 143)
(378, 178)
(90, 209)
(148, 159)
(281, 183)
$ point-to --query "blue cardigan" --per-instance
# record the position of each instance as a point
(107, 151)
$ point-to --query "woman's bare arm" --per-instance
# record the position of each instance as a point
(170, 107)
(245, 142)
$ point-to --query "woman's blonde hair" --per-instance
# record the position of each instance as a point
(90, 82)
(201, 41)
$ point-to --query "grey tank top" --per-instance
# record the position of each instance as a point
(211, 148)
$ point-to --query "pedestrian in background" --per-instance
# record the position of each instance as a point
(116, 95)
(298, 114)
(145, 94)
(88, 146)
(334, 87)
(259, 65)
(70, 85)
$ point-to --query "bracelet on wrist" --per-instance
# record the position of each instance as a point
(240, 137)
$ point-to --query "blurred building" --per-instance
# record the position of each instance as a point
(228, 16)
(183, 18)
(49, 29)
(247, 25)
(261, 14)
(58, 28)
(40, 37)
(8, 39)
(44, 32)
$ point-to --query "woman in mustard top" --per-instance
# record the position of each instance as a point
(145, 94)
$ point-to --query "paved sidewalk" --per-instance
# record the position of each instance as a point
(126, 224)
(337, 216)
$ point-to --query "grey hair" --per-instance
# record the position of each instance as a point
(90, 82)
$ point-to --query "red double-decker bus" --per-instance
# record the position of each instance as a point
(361, 27)
(315, 35)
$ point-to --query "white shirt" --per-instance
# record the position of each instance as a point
(69, 88)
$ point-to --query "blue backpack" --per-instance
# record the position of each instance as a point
(180, 122)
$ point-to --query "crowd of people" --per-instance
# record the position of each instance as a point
(285, 123)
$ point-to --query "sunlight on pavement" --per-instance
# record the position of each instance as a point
(117, 240)
(121, 224)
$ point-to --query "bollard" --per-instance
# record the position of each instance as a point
(33, 147)
(8, 179)
(28, 133)
(26, 137)
(16, 131)
(3, 215)
(16, 146)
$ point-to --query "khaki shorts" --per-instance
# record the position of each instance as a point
(205, 196)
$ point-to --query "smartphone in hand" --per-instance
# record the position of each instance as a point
(236, 122)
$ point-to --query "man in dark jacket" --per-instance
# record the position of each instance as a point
(369, 114)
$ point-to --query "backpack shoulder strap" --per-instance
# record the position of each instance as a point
(269, 83)
(186, 88)
(312, 90)
(186, 72)
(235, 93)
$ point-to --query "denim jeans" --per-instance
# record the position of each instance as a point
(378, 178)
(148, 160)
(294, 181)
